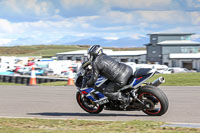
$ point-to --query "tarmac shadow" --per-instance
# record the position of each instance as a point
(84, 114)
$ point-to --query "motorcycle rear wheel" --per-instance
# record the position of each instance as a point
(87, 105)
(155, 98)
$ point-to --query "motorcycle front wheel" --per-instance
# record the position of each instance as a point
(155, 100)
(88, 105)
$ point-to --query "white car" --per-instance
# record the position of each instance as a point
(67, 74)
(24, 70)
(180, 70)
(168, 71)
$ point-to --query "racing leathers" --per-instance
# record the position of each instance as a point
(117, 73)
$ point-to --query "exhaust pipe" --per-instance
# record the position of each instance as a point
(158, 81)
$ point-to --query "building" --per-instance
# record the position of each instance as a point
(121, 56)
(173, 50)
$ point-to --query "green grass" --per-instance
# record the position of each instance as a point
(180, 79)
(47, 50)
(8, 125)
(58, 83)
(3, 83)
(38, 50)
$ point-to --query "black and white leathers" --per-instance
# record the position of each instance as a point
(116, 72)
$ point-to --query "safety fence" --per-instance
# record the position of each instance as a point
(26, 79)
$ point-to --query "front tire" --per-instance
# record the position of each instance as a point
(156, 100)
(87, 105)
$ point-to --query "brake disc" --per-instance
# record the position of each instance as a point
(148, 104)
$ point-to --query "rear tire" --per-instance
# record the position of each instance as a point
(156, 96)
(87, 105)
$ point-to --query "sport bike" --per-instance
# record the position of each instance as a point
(137, 95)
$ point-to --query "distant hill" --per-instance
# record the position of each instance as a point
(122, 42)
(71, 40)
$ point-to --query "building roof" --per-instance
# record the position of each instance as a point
(127, 53)
(179, 42)
(185, 56)
(160, 33)
(78, 52)
(108, 52)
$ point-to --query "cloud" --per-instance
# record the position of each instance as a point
(4, 41)
(137, 36)
(193, 3)
(68, 4)
(145, 19)
(163, 16)
(26, 10)
(138, 4)
(20, 6)
(111, 38)
(5, 26)
(38, 7)
(118, 17)
(196, 37)
(195, 18)
(74, 8)
(43, 21)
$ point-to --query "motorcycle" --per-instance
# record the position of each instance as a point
(137, 95)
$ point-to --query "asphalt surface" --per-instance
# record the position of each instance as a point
(60, 102)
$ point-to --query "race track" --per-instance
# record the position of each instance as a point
(60, 102)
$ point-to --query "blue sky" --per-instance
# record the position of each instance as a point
(31, 22)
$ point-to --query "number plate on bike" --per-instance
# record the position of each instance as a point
(103, 101)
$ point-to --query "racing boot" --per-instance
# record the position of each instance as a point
(124, 100)
(118, 96)
(113, 95)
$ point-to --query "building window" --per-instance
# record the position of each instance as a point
(154, 38)
(189, 50)
(180, 49)
(78, 58)
(153, 52)
(136, 61)
(185, 38)
(166, 63)
(173, 63)
(124, 60)
(69, 58)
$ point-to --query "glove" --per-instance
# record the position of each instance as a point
(85, 64)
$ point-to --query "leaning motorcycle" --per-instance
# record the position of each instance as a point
(140, 95)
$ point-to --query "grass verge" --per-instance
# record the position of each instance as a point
(9, 125)
(176, 79)
(3, 83)
(58, 83)
(48, 50)
(180, 79)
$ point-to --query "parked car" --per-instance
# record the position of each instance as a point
(39, 72)
(168, 71)
(67, 74)
(181, 70)
(24, 70)
(6, 73)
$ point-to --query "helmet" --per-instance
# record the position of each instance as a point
(94, 51)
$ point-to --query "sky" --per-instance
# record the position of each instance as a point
(33, 22)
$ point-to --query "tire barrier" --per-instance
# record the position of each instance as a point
(26, 79)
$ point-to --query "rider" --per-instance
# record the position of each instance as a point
(117, 73)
